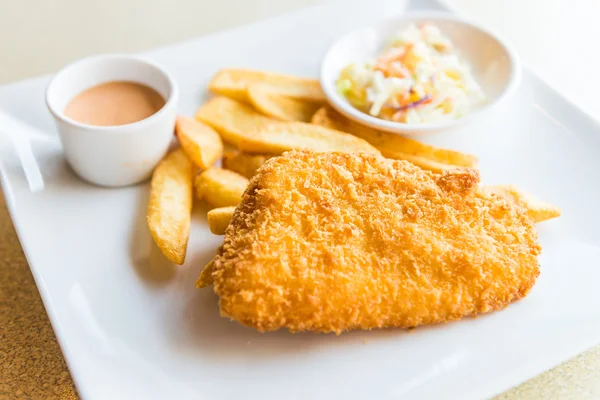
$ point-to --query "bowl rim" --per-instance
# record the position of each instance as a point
(341, 105)
(170, 102)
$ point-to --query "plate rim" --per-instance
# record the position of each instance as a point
(527, 70)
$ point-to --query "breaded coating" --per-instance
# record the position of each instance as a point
(332, 242)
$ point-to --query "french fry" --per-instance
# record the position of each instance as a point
(266, 100)
(391, 145)
(232, 119)
(244, 164)
(537, 210)
(200, 142)
(277, 138)
(170, 205)
(233, 83)
(219, 219)
(239, 124)
(424, 163)
(205, 279)
(220, 187)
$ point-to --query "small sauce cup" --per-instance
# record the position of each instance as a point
(121, 155)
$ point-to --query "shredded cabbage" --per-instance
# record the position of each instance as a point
(417, 78)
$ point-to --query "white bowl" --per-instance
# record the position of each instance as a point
(113, 155)
(494, 65)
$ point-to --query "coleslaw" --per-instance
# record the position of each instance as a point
(418, 78)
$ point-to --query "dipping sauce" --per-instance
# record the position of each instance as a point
(114, 103)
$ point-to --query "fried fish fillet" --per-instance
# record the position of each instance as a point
(332, 242)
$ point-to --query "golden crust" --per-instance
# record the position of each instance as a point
(205, 279)
(332, 242)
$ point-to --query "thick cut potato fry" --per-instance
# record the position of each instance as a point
(205, 279)
(219, 219)
(200, 142)
(170, 205)
(537, 210)
(277, 138)
(220, 187)
(391, 145)
(244, 164)
(232, 119)
(424, 163)
(234, 83)
(266, 100)
(239, 124)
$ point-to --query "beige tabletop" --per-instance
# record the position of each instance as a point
(39, 36)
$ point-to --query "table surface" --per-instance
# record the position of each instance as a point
(31, 364)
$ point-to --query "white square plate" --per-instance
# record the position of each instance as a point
(134, 328)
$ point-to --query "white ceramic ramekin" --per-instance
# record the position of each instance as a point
(113, 155)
